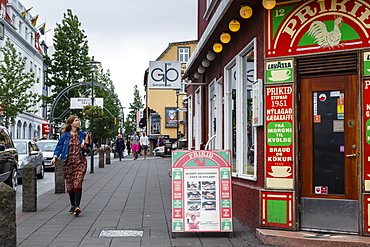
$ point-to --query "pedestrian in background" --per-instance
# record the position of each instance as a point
(135, 145)
(144, 142)
(44, 137)
(128, 146)
(120, 145)
(160, 141)
(180, 135)
(72, 146)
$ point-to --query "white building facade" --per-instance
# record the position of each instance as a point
(25, 38)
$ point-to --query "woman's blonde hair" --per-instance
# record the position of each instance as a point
(67, 126)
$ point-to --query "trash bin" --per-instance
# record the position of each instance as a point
(167, 149)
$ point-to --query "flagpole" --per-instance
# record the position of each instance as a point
(40, 25)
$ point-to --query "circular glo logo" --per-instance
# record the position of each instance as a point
(322, 97)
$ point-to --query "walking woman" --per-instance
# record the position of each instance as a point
(70, 147)
(120, 145)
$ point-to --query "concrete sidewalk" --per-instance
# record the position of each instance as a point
(132, 196)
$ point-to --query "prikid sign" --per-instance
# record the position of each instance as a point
(317, 26)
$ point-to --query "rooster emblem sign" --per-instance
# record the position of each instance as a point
(324, 38)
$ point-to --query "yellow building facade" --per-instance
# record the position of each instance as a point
(163, 103)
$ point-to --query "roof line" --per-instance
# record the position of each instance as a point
(176, 43)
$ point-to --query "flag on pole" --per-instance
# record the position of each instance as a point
(34, 20)
(24, 13)
(42, 28)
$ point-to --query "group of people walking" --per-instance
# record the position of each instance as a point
(72, 148)
(135, 143)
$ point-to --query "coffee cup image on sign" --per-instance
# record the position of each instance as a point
(209, 205)
(208, 185)
(280, 75)
(209, 195)
(280, 171)
(192, 185)
(193, 195)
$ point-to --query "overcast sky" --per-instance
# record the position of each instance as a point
(123, 35)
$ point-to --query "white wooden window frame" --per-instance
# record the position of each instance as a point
(240, 120)
(190, 122)
(198, 118)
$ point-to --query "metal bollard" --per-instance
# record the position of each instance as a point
(101, 157)
(60, 187)
(8, 233)
(29, 190)
(107, 155)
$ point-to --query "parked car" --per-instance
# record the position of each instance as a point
(8, 159)
(182, 144)
(158, 151)
(29, 152)
(47, 147)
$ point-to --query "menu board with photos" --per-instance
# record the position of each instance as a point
(201, 191)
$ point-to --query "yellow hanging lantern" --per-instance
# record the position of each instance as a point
(246, 12)
(225, 38)
(217, 47)
(268, 4)
(234, 26)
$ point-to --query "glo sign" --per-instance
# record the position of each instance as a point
(164, 75)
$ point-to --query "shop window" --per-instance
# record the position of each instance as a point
(230, 111)
(155, 124)
(248, 139)
(215, 115)
(239, 133)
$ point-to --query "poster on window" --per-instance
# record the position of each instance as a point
(201, 191)
(171, 117)
(279, 131)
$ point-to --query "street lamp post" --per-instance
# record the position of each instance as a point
(93, 65)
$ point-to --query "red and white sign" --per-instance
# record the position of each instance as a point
(46, 129)
(366, 131)
(201, 191)
(279, 136)
(304, 27)
(321, 190)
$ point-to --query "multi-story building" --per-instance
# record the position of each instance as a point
(286, 89)
(162, 116)
(26, 39)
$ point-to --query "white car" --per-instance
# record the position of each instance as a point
(47, 147)
(159, 151)
(29, 152)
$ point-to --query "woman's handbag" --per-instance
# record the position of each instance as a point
(87, 143)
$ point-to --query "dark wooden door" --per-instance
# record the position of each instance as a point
(328, 137)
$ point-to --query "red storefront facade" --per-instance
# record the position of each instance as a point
(288, 96)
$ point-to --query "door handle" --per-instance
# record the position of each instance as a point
(351, 155)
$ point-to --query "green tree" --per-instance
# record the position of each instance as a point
(105, 127)
(130, 123)
(15, 94)
(68, 63)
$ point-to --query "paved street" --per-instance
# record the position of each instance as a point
(127, 203)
